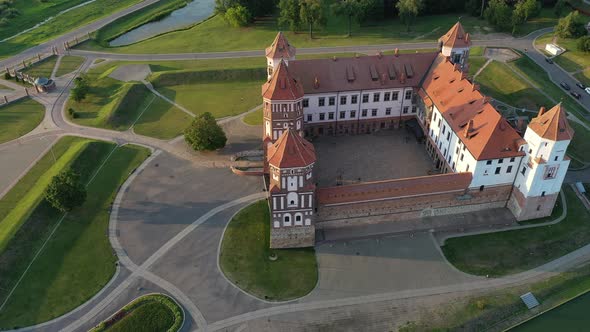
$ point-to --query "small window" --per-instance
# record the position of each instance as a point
(395, 95)
(500, 161)
(556, 157)
(353, 114)
(331, 116)
(461, 157)
(298, 217)
(322, 116)
(376, 96)
(523, 171)
(489, 162)
(386, 96)
(413, 109)
(364, 113)
(321, 101)
(388, 111)
(509, 169)
(342, 114)
(354, 99)
(434, 118)
(543, 194)
(366, 98)
(448, 135)
(467, 168)
(305, 102)
(408, 95)
(498, 169)
(374, 112)
(343, 100)
(332, 101)
(406, 108)
(309, 117)
(530, 151)
(512, 159)
(538, 207)
(481, 187)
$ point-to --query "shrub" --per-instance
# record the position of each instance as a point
(7, 76)
(571, 26)
(205, 134)
(584, 44)
(66, 191)
(238, 16)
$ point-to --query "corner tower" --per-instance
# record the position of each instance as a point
(543, 169)
(279, 50)
(455, 44)
(291, 161)
(282, 99)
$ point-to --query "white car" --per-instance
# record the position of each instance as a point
(587, 90)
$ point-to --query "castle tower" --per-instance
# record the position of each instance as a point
(543, 169)
(455, 44)
(291, 160)
(282, 99)
(280, 49)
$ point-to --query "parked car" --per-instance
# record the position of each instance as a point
(576, 95)
(549, 61)
(587, 90)
(565, 85)
(580, 85)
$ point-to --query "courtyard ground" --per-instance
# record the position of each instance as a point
(388, 154)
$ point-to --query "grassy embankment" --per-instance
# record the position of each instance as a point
(216, 35)
(59, 25)
(42, 68)
(68, 64)
(78, 261)
(502, 253)
(154, 312)
(572, 60)
(19, 118)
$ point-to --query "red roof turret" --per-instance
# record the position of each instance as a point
(282, 86)
(552, 124)
(291, 150)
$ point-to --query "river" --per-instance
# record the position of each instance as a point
(196, 11)
(571, 316)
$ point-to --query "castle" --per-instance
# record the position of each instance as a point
(483, 161)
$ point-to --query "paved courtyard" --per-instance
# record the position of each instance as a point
(391, 154)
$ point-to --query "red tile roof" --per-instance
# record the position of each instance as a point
(280, 48)
(291, 150)
(489, 135)
(552, 124)
(416, 186)
(456, 37)
(282, 85)
(362, 72)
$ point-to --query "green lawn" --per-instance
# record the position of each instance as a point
(68, 64)
(162, 120)
(244, 258)
(145, 15)
(149, 313)
(499, 82)
(571, 60)
(475, 63)
(502, 253)
(59, 25)
(254, 118)
(78, 261)
(580, 145)
(584, 77)
(19, 118)
(42, 68)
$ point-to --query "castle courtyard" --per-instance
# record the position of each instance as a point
(363, 158)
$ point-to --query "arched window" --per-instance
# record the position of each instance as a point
(287, 219)
(298, 219)
(292, 200)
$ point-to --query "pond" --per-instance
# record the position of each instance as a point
(194, 12)
(571, 316)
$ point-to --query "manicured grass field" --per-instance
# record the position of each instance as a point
(502, 253)
(78, 261)
(254, 118)
(43, 68)
(149, 313)
(580, 145)
(475, 63)
(162, 120)
(59, 25)
(19, 118)
(571, 60)
(499, 82)
(244, 258)
(68, 64)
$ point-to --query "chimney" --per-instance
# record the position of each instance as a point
(541, 111)
(475, 87)
(402, 77)
(396, 52)
(469, 128)
(316, 83)
(467, 37)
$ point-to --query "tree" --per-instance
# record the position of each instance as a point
(204, 133)
(559, 7)
(473, 7)
(408, 10)
(354, 10)
(81, 88)
(65, 192)
(499, 14)
(312, 13)
(584, 44)
(238, 16)
(289, 14)
(529, 8)
(518, 16)
(571, 26)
